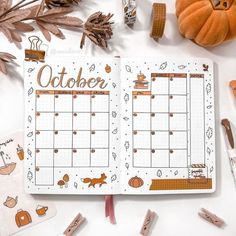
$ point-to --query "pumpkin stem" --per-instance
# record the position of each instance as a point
(222, 4)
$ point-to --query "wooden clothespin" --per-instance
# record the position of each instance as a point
(210, 217)
(232, 85)
(74, 225)
(148, 221)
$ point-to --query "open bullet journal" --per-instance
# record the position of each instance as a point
(119, 126)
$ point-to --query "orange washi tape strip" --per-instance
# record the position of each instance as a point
(158, 20)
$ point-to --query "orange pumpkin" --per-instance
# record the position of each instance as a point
(136, 182)
(205, 22)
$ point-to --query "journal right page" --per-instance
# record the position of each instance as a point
(168, 126)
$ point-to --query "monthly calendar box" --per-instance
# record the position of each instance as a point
(99, 139)
(178, 158)
(159, 121)
(100, 103)
(63, 121)
(63, 139)
(100, 121)
(81, 157)
(44, 157)
(141, 121)
(160, 158)
(160, 85)
(142, 139)
(160, 140)
(159, 103)
(178, 86)
(44, 120)
(44, 139)
(63, 102)
(142, 158)
(178, 122)
(81, 121)
(81, 139)
(44, 102)
(178, 103)
(63, 157)
(99, 157)
(81, 103)
(44, 176)
(141, 103)
(178, 140)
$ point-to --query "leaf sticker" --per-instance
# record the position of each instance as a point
(205, 67)
(159, 173)
(30, 91)
(30, 134)
(114, 114)
(29, 175)
(163, 65)
(126, 145)
(29, 119)
(113, 85)
(76, 185)
(127, 165)
(125, 118)
(209, 133)
(114, 156)
(30, 70)
(208, 151)
(113, 178)
(181, 67)
(126, 97)
(29, 152)
(92, 68)
(115, 131)
(128, 68)
(208, 88)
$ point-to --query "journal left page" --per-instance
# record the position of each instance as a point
(72, 126)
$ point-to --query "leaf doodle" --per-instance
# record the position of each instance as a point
(208, 88)
(30, 70)
(181, 67)
(128, 68)
(163, 65)
(126, 145)
(114, 114)
(209, 133)
(209, 106)
(115, 131)
(208, 151)
(30, 91)
(92, 68)
(126, 97)
(176, 172)
(113, 85)
(29, 119)
(125, 118)
(30, 134)
(127, 165)
(159, 173)
(29, 175)
(114, 156)
(113, 178)
(29, 152)
(211, 169)
(76, 185)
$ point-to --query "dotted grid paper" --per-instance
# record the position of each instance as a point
(72, 133)
(167, 126)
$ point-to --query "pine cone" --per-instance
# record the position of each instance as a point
(60, 3)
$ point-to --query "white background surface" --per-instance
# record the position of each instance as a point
(177, 213)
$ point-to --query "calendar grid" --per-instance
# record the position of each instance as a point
(64, 121)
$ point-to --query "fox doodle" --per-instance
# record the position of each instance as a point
(94, 181)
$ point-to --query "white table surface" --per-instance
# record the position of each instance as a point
(177, 214)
